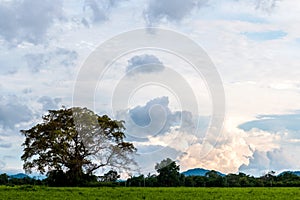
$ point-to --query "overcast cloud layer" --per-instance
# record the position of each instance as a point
(254, 45)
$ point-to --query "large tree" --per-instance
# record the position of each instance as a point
(76, 141)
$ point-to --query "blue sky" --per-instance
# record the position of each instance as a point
(262, 36)
(253, 44)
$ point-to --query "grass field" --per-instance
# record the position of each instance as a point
(30, 192)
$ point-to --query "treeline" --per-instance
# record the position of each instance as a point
(7, 180)
(168, 175)
(59, 178)
(212, 179)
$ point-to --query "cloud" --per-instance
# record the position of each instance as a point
(274, 123)
(140, 114)
(279, 160)
(28, 20)
(266, 5)
(255, 147)
(158, 132)
(35, 61)
(264, 161)
(172, 10)
(13, 112)
(4, 144)
(177, 10)
(2, 164)
(49, 103)
(176, 139)
(283, 155)
(144, 63)
(150, 119)
(57, 58)
(155, 118)
(97, 11)
(231, 150)
(257, 165)
(149, 155)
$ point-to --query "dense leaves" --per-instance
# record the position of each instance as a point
(168, 173)
(70, 144)
(111, 176)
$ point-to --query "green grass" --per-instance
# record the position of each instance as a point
(31, 193)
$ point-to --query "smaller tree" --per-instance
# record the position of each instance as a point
(269, 178)
(111, 176)
(3, 179)
(136, 181)
(168, 173)
(151, 180)
(214, 179)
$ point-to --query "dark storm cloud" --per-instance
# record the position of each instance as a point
(144, 63)
(28, 20)
(172, 10)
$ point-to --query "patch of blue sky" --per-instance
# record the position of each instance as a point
(265, 35)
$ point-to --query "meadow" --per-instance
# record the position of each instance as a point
(40, 192)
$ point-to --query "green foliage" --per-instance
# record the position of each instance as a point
(70, 144)
(214, 179)
(3, 179)
(137, 181)
(111, 176)
(6, 180)
(60, 178)
(169, 175)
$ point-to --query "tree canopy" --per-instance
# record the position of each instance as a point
(168, 173)
(76, 141)
(111, 176)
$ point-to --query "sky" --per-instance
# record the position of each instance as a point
(252, 46)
